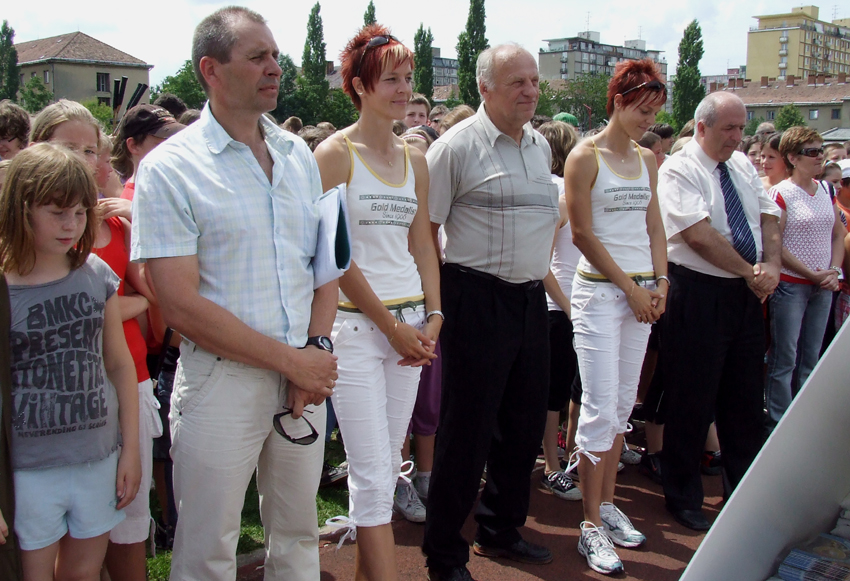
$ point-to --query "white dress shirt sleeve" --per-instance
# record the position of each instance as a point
(682, 202)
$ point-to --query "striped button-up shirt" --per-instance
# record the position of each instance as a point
(203, 193)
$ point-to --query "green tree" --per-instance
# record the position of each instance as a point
(547, 103)
(9, 69)
(369, 16)
(687, 91)
(423, 74)
(339, 109)
(583, 92)
(35, 96)
(312, 84)
(788, 116)
(100, 111)
(665, 117)
(470, 43)
(288, 99)
(453, 100)
(753, 125)
(185, 85)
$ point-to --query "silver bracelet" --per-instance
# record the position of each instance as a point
(836, 269)
(435, 312)
(662, 277)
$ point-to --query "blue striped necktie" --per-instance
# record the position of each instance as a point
(742, 236)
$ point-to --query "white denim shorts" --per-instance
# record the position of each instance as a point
(78, 499)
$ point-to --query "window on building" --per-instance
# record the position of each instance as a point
(771, 115)
(32, 74)
(102, 82)
(104, 101)
(836, 113)
(750, 115)
(813, 114)
(46, 77)
(21, 80)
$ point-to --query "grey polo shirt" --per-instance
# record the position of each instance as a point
(495, 198)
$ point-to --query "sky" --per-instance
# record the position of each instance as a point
(164, 38)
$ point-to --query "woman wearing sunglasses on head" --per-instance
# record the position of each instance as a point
(618, 291)
(389, 312)
(812, 253)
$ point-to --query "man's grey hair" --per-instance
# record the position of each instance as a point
(485, 67)
(707, 108)
(214, 37)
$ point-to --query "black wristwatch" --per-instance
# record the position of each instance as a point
(322, 342)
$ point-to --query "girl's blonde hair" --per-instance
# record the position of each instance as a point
(52, 116)
(562, 138)
(39, 175)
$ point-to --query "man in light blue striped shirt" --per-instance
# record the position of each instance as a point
(225, 217)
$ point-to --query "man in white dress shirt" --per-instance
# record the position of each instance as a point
(724, 252)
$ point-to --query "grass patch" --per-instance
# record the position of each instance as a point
(331, 501)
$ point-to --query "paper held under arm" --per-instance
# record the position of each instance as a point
(333, 249)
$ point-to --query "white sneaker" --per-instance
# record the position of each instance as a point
(629, 456)
(618, 526)
(422, 484)
(596, 547)
(407, 502)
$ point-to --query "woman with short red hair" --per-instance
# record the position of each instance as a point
(619, 290)
(389, 315)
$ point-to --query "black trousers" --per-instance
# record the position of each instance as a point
(495, 344)
(712, 358)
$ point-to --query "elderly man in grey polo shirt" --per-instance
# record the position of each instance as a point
(491, 189)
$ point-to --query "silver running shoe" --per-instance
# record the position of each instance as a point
(407, 502)
(596, 547)
(629, 456)
(619, 528)
(422, 484)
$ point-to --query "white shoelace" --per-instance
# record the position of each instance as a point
(576, 456)
(597, 539)
(343, 522)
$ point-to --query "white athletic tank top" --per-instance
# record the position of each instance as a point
(565, 255)
(380, 215)
(619, 217)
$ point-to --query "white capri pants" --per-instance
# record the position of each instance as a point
(136, 528)
(610, 344)
(373, 400)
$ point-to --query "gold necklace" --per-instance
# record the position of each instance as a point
(384, 158)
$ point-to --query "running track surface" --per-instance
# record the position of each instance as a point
(554, 523)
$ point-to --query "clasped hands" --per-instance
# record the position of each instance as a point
(764, 280)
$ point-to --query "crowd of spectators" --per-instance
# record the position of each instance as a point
(517, 287)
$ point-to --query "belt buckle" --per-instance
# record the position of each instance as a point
(639, 280)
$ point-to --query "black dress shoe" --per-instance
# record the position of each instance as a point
(453, 574)
(521, 551)
(693, 519)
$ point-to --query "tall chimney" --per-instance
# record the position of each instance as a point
(821, 80)
(842, 78)
(790, 81)
(764, 82)
(712, 86)
(739, 83)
